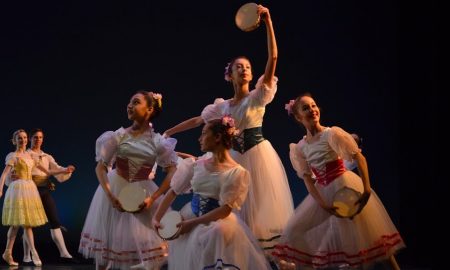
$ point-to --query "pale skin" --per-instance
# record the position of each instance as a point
(139, 112)
(308, 114)
(20, 140)
(220, 161)
(241, 74)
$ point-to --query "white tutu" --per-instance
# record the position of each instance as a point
(121, 239)
(317, 239)
(269, 184)
(269, 204)
(223, 244)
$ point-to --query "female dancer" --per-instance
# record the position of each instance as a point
(269, 203)
(212, 237)
(118, 239)
(316, 236)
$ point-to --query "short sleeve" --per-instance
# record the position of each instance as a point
(212, 111)
(234, 190)
(342, 143)
(298, 160)
(165, 150)
(262, 93)
(10, 159)
(181, 180)
(106, 146)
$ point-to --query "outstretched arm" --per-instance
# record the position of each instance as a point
(271, 46)
(185, 125)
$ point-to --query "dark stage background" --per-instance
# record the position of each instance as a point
(70, 68)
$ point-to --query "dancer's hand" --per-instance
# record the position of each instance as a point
(116, 203)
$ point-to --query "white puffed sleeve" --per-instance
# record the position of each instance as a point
(298, 160)
(342, 143)
(10, 159)
(106, 146)
(234, 190)
(262, 93)
(181, 180)
(212, 111)
(165, 151)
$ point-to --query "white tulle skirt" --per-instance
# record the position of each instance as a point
(224, 244)
(314, 238)
(121, 239)
(269, 204)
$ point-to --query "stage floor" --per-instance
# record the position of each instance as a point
(92, 267)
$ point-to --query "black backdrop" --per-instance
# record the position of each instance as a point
(70, 67)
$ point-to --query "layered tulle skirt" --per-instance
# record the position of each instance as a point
(223, 244)
(269, 203)
(22, 205)
(121, 239)
(314, 238)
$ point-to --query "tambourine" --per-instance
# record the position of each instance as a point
(247, 18)
(131, 196)
(169, 229)
(345, 199)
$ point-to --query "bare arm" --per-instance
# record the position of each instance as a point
(5, 173)
(309, 182)
(162, 207)
(185, 125)
(216, 214)
(101, 171)
(165, 185)
(363, 171)
(271, 46)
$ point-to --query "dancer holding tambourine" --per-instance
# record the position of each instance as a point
(210, 235)
(117, 232)
(269, 203)
(317, 235)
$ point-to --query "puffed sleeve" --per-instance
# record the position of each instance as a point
(181, 180)
(61, 177)
(234, 190)
(165, 151)
(342, 143)
(10, 159)
(212, 111)
(298, 160)
(262, 93)
(106, 146)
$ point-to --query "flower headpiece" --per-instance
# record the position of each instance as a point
(288, 106)
(156, 96)
(227, 72)
(228, 122)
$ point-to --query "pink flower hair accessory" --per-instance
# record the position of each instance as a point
(228, 122)
(288, 106)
